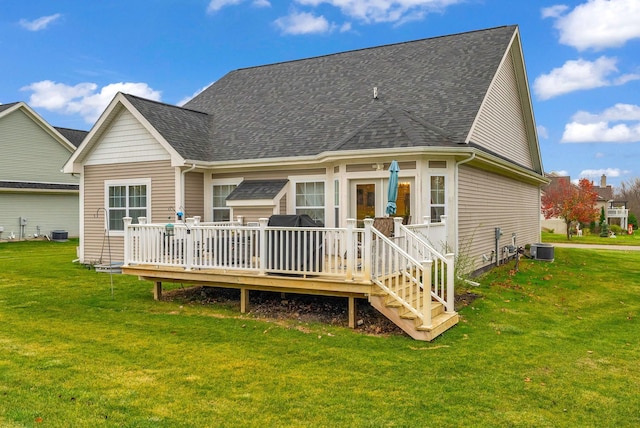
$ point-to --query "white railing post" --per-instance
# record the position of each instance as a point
(188, 244)
(443, 220)
(262, 250)
(450, 282)
(127, 241)
(366, 248)
(240, 220)
(426, 219)
(426, 293)
(350, 253)
(141, 240)
(397, 222)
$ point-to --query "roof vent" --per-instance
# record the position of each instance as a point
(375, 92)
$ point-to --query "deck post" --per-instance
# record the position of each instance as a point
(397, 222)
(244, 300)
(352, 312)
(188, 250)
(426, 293)
(157, 290)
(450, 282)
(351, 256)
(262, 250)
(443, 221)
(127, 240)
(366, 248)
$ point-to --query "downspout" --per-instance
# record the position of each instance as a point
(182, 186)
(457, 225)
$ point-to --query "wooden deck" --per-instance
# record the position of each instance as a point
(403, 278)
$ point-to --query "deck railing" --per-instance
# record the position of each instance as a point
(401, 265)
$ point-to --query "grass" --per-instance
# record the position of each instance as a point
(553, 345)
(593, 238)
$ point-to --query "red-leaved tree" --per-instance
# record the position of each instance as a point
(569, 202)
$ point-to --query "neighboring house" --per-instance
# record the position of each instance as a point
(35, 195)
(316, 136)
(616, 212)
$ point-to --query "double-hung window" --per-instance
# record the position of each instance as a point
(310, 199)
(126, 198)
(221, 212)
(438, 197)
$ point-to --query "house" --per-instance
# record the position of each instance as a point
(615, 211)
(316, 136)
(36, 197)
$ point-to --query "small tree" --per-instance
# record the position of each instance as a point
(571, 203)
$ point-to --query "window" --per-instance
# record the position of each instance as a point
(438, 195)
(126, 199)
(221, 212)
(310, 199)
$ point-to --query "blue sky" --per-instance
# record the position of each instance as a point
(67, 58)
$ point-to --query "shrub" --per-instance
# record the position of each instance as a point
(616, 229)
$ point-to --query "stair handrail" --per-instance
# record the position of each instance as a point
(389, 261)
(443, 288)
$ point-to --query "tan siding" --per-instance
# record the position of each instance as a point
(162, 177)
(283, 204)
(194, 194)
(270, 175)
(126, 141)
(487, 201)
(252, 214)
(500, 126)
(29, 153)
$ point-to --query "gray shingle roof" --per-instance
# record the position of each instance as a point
(42, 186)
(257, 189)
(429, 92)
(74, 136)
(3, 107)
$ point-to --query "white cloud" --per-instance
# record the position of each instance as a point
(384, 10)
(190, 97)
(303, 23)
(578, 75)
(40, 23)
(605, 127)
(216, 5)
(597, 173)
(554, 11)
(84, 98)
(599, 155)
(542, 132)
(598, 24)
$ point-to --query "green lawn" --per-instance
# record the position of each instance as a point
(553, 345)
(587, 238)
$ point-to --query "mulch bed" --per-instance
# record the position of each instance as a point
(298, 307)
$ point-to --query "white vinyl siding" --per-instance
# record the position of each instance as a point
(500, 125)
(126, 141)
(487, 201)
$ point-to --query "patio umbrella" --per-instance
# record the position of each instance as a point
(392, 193)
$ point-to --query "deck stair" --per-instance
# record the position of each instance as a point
(410, 323)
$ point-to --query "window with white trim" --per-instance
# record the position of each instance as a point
(437, 197)
(126, 199)
(310, 199)
(221, 212)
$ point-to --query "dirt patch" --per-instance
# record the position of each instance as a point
(465, 299)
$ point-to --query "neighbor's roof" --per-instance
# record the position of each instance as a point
(3, 107)
(429, 93)
(40, 186)
(74, 136)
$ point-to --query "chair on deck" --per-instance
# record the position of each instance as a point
(385, 225)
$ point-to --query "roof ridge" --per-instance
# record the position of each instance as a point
(374, 47)
(163, 103)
